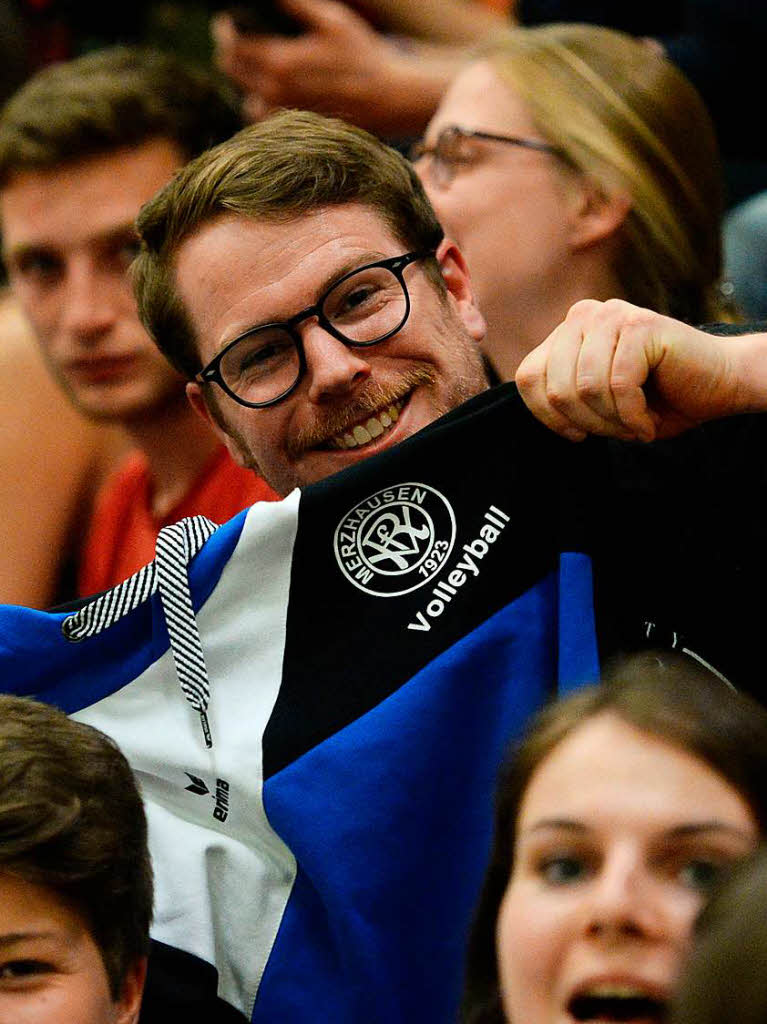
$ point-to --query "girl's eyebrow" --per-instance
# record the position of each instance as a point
(12, 937)
(682, 831)
(568, 824)
(694, 828)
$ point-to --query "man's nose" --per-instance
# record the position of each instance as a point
(333, 368)
(89, 306)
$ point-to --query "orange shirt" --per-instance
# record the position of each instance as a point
(122, 532)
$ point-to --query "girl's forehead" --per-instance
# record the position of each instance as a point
(480, 97)
(609, 771)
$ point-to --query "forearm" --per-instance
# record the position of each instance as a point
(400, 97)
(340, 66)
(462, 22)
(749, 358)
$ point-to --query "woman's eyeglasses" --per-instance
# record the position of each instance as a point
(448, 151)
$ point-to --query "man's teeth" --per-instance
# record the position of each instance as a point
(364, 433)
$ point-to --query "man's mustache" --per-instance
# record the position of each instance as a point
(372, 397)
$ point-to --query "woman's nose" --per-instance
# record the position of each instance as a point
(624, 901)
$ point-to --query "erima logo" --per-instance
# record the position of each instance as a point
(396, 540)
(221, 795)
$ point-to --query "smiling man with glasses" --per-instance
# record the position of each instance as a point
(299, 279)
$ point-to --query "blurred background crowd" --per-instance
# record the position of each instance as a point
(573, 149)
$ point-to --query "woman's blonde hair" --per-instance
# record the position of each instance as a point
(626, 118)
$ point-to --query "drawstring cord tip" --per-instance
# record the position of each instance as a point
(206, 730)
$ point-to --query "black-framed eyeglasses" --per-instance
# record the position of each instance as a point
(365, 306)
(449, 150)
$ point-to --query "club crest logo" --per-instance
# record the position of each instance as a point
(396, 540)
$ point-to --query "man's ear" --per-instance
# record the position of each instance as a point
(596, 215)
(455, 274)
(129, 1001)
(198, 401)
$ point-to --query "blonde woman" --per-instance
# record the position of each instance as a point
(571, 162)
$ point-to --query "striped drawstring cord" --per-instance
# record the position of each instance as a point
(176, 547)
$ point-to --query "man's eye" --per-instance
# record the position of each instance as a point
(560, 870)
(700, 874)
(456, 151)
(127, 251)
(265, 357)
(448, 157)
(364, 298)
(37, 265)
(358, 298)
(258, 356)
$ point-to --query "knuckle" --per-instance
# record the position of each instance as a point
(527, 378)
(583, 308)
(621, 385)
(587, 387)
(617, 305)
(558, 399)
(626, 316)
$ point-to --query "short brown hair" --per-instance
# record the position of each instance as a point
(662, 694)
(72, 821)
(286, 166)
(112, 99)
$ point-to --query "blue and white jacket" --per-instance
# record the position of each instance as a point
(316, 697)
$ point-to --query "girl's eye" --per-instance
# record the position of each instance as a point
(562, 869)
(700, 874)
(16, 969)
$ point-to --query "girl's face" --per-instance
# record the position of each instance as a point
(508, 207)
(51, 970)
(618, 838)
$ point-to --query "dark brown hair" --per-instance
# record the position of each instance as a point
(112, 99)
(282, 168)
(665, 695)
(72, 821)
